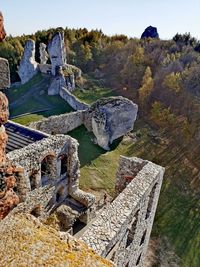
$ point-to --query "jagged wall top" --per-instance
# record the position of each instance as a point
(57, 51)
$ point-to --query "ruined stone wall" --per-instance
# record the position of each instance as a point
(60, 124)
(53, 148)
(121, 232)
(4, 73)
(72, 100)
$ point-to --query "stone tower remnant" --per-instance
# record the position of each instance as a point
(43, 54)
(57, 51)
(28, 66)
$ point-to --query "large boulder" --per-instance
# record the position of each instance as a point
(28, 66)
(2, 30)
(57, 51)
(150, 32)
(110, 118)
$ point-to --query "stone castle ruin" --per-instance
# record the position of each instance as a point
(39, 175)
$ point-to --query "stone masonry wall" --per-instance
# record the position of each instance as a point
(31, 157)
(60, 124)
(72, 100)
(4, 73)
(121, 232)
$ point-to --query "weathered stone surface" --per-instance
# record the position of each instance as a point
(110, 118)
(43, 54)
(121, 232)
(57, 83)
(8, 198)
(3, 119)
(71, 74)
(4, 73)
(2, 30)
(57, 51)
(66, 217)
(150, 32)
(72, 100)
(61, 124)
(28, 66)
(25, 241)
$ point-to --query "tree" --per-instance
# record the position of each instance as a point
(172, 82)
(147, 86)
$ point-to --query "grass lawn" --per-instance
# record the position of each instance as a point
(94, 90)
(178, 215)
(89, 96)
(38, 103)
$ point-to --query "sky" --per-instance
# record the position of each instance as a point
(128, 17)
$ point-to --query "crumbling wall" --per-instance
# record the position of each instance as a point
(121, 232)
(45, 188)
(60, 124)
(72, 100)
(4, 73)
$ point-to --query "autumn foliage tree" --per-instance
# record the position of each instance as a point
(146, 88)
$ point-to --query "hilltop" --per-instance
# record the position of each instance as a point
(163, 78)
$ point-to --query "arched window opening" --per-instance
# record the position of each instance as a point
(47, 167)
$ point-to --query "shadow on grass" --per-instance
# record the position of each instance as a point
(88, 151)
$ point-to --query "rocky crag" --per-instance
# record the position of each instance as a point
(28, 66)
(150, 32)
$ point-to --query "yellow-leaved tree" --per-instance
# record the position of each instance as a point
(147, 87)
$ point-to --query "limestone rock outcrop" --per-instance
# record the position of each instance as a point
(111, 118)
(2, 30)
(57, 83)
(43, 54)
(57, 51)
(150, 32)
(28, 66)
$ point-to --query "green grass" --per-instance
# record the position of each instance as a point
(89, 96)
(15, 93)
(38, 104)
(25, 120)
(93, 91)
(178, 213)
